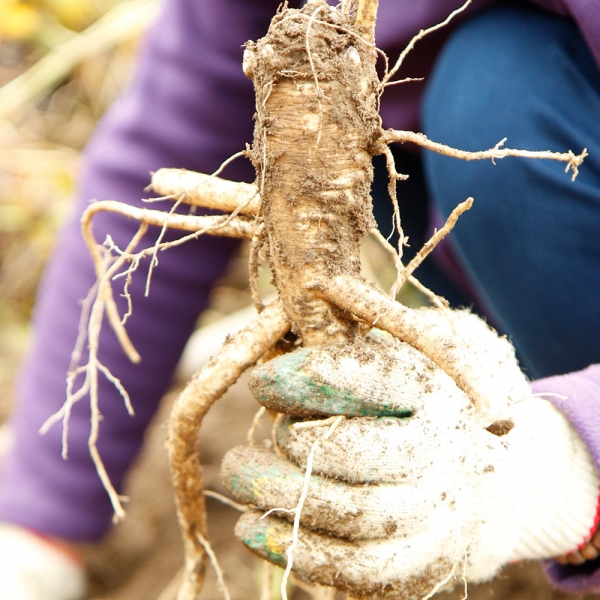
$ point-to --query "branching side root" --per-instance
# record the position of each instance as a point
(207, 386)
(573, 160)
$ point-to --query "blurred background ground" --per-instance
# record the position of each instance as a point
(84, 50)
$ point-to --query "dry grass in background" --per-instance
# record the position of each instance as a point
(62, 63)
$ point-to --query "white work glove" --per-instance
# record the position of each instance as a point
(32, 568)
(414, 501)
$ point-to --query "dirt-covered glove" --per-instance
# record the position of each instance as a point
(410, 493)
(32, 568)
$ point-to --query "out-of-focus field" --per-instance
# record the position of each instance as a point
(84, 51)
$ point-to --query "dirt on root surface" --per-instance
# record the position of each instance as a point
(140, 558)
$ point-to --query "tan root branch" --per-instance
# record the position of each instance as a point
(370, 305)
(435, 239)
(436, 300)
(266, 581)
(109, 262)
(223, 225)
(405, 274)
(573, 160)
(207, 386)
(207, 191)
(215, 563)
(366, 16)
(415, 39)
(229, 226)
(394, 177)
(103, 295)
(225, 500)
(104, 276)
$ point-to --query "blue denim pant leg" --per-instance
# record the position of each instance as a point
(531, 242)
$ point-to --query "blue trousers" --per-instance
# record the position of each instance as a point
(531, 242)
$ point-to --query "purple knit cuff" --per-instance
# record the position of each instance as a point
(577, 396)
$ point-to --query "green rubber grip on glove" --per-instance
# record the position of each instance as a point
(290, 384)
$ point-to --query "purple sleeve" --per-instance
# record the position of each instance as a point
(586, 13)
(190, 106)
(578, 398)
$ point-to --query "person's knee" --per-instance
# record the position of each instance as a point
(528, 76)
(517, 73)
(498, 71)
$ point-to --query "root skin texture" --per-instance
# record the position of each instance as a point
(207, 386)
(316, 125)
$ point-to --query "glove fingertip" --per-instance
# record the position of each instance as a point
(268, 538)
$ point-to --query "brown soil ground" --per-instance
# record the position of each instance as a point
(141, 557)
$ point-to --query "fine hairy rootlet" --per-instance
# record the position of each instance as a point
(317, 129)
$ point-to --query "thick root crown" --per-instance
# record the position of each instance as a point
(316, 127)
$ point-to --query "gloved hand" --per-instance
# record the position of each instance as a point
(577, 396)
(411, 492)
(32, 568)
